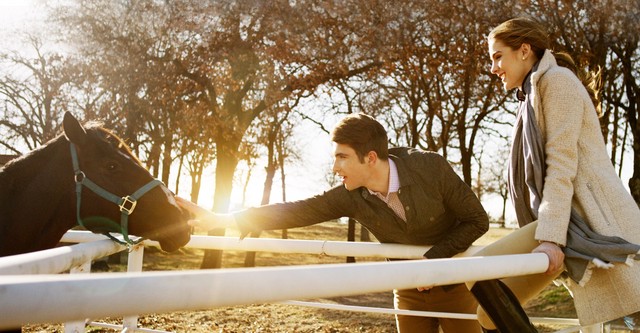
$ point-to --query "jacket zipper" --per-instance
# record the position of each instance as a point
(593, 195)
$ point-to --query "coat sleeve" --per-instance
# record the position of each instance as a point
(471, 218)
(330, 205)
(562, 98)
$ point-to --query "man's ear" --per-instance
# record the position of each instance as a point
(372, 157)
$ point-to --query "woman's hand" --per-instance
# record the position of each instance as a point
(555, 254)
(205, 219)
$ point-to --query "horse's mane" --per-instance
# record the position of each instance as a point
(108, 136)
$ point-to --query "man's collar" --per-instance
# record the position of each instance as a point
(394, 180)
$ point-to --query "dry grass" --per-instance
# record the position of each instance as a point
(275, 318)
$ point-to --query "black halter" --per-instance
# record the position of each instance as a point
(126, 204)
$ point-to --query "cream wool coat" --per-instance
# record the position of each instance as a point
(579, 173)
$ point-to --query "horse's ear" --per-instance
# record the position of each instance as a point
(73, 130)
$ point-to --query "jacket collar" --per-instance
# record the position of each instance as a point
(548, 60)
(403, 172)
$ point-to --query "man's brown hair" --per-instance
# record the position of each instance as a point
(362, 133)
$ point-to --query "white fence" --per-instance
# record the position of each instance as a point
(24, 296)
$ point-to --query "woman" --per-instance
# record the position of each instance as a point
(562, 183)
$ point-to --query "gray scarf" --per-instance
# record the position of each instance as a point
(585, 248)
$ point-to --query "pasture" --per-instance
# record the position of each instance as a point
(553, 302)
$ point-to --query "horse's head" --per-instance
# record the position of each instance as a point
(104, 159)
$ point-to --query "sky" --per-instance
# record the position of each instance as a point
(16, 13)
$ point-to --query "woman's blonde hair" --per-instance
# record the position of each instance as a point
(517, 31)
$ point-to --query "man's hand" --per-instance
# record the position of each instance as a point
(205, 219)
(421, 289)
(555, 254)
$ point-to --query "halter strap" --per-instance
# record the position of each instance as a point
(127, 204)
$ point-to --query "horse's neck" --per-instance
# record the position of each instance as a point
(46, 165)
(35, 190)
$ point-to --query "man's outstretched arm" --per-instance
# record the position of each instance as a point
(204, 218)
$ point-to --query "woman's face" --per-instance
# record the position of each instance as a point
(510, 65)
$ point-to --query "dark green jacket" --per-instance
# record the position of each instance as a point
(441, 210)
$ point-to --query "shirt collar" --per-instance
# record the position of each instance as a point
(394, 179)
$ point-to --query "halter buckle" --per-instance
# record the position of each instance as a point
(128, 205)
(79, 176)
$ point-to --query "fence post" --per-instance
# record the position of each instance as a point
(78, 326)
(134, 264)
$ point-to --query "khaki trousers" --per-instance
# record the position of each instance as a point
(525, 287)
(457, 299)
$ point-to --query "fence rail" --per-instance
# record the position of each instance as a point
(330, 248)
(58, 259)
(72, 297)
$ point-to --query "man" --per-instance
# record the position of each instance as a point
(401, 195)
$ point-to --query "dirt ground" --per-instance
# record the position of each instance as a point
(276, 318)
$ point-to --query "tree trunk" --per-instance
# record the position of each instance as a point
(225, 167)
(166, 159)
(504, 211)
(622, 148)
(153, 160)
(196, 182)
(281, 157)
(351, 236)
(181, 160)
(250, 257)
(196, 176)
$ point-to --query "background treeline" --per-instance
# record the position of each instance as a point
(191, 83)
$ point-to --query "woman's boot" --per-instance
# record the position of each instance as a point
(502, 306)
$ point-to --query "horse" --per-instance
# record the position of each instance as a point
(85, 176)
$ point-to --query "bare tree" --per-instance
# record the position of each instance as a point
(34, 93)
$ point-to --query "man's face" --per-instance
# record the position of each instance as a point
(354, 173)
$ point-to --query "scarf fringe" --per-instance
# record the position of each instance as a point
(597, 263)
(630, 260)
(586, 276)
